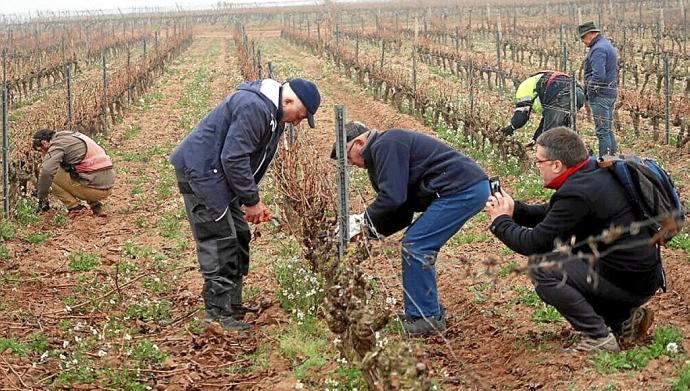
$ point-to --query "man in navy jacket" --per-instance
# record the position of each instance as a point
(600, 301)
(412, 172)
(601, 71)
(218, 166)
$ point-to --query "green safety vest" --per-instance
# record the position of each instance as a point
(527, 92)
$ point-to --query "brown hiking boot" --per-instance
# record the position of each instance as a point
(97, 210)
(636, 326)
(589, 344)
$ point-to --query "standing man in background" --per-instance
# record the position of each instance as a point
(601, 71)
(218, 167)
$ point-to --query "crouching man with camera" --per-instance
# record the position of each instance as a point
(601, 300)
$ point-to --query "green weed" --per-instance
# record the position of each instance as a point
(682, 383)
(122, 379)
(147, 352)
(639, 356)
(4, 252)
(59, 220)
(681, 242)
(508, 268)
(304, 345)
(82, 262)
(25, 212)
(13, 346)
(37, 237)
(301, 290)
(146, 310)
(7, 231)
(132, 131)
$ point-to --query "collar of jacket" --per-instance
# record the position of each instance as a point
(366, 153)
(557, 182)
(273, 90)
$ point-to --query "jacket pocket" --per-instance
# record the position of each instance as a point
(213, 191)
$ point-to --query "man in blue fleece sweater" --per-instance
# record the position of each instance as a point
(601, 89)
(218, 166)
(412, 172)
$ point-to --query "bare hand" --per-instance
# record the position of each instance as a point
(257, 214)
(500, 204)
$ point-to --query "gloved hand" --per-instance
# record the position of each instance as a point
(355, 223)
(508, 130)
(43, 205)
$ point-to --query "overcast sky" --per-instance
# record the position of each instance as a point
(25, 6)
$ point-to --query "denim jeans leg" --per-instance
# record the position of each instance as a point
(423, 240)
(602, 111)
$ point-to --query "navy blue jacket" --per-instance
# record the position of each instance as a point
(229, 151)
(589, 201)
(601, 69)
(409, 170)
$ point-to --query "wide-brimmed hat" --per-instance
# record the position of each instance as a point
(585, 28)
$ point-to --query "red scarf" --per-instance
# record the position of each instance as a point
(557, 182)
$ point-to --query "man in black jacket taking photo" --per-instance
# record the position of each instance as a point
(412, 172)
(601, 304)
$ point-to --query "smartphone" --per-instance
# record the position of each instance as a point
(494, 185)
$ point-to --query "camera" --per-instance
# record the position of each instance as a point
(494, 185)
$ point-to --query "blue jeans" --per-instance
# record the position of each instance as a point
(423, 240)
(602, 111)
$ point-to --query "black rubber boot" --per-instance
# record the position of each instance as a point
(218, 308)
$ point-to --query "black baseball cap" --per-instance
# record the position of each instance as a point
(309, 95)
(353, 130)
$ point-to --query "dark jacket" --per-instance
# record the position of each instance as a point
(229, 151)
(601, 69)
(589, 201)
(409, 170)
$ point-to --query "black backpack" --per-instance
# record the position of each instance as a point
(651, 191)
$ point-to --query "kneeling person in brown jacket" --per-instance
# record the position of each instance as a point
(76, 168)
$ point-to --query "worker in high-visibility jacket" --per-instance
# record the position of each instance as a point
(546, 92)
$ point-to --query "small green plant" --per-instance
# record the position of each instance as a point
(259, 357)
(136, 190)
(59, 220)
(4, 252)
(683, 381)
(546, 314)
(13, 346)
(463, 237)
(681, 241)
(7, 231)
(146, 310)
(39, 343)
(140, 222)
(64, 325)
(301, 289)
(37, 237)
(133, 130)
(305, 345)
(80, 374)
(122, 379)
(25, 212)
(154, 285)
(639, 356)
(170, 224)
(82, 262)
(147, 352)
(131, 249)
(508, 268)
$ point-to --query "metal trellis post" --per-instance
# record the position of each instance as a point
(341, 141)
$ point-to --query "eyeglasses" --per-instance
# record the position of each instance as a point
(347, 154)
(538, 162)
